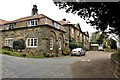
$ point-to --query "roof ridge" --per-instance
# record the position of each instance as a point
(28, 18)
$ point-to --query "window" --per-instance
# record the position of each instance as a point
(32, 42)
(51, 43)
(10, 26)
(9, 42)
(46, 21)
(32, 23)
(56, 25)
(59, 43)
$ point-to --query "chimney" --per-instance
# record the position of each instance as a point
(64, 19)
(34, 10)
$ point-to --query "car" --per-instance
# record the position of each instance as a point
(78, 52)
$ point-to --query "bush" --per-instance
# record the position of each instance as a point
(66, 51)
(19, 45)
(73, 44)
(113, 44)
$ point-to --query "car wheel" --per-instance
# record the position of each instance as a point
(84, 54)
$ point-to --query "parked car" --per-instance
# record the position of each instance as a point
(78, 52)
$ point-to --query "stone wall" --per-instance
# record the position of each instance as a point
(40, 32)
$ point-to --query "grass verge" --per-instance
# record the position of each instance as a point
(17, 54)
(116, 56)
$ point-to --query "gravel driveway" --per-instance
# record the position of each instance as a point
(95, 64)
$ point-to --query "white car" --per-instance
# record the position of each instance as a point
(78, 52)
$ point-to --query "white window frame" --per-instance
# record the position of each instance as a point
(29, 23)
(9, 42)
(29, 44)
(51, 43)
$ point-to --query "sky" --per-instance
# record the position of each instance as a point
(15, 9)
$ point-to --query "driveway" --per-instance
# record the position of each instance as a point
(95, 64)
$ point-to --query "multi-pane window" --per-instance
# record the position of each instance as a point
(32, 42)
(51, 43)
(32, 23)
(9, 42)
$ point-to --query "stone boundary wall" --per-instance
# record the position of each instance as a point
(115, 67)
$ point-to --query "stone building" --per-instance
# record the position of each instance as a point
(73, 31)
(40, 33)
(1, 23)
(1, 28)
(85, 39)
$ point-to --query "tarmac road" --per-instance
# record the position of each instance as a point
(95, 64)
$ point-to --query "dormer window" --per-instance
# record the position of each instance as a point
(56, 25)
(10, 26)
(46, 21)
(32, 23)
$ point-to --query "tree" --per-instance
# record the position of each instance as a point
(99, 14)
(113, 44)
(103, 14)
(97, 38)
(73, 44)
(94, 38)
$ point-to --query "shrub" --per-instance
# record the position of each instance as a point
(66, 51)
(73, 44)
(19, 45)
(113, 44)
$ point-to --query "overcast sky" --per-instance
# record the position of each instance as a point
(14, 9)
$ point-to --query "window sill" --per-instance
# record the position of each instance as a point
(31, 46)
(51, 49)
